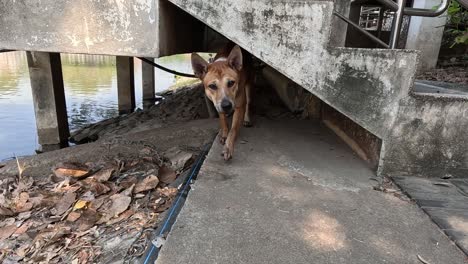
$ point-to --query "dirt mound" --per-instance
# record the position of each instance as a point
(180, 105)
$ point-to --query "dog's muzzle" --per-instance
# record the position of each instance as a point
(226, 106)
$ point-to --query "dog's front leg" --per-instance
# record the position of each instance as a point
(223, 124)
(237, 120)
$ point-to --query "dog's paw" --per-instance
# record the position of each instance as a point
(222, 140)
(247, 123)
(227, 153)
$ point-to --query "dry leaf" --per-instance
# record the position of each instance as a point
(7, 231)
(168, 192)
(23, 228)
(8, 221)
(422, 260)
(80, 204)
(83, 257)
(23, 250)
(5, 211)
(71, 169)
(125, 215)
(166, 175)
(103, 175)
(139, 195)
(36, 200)
(88, 219)
(96, 204)
(128, 182)
(24, 215)
(120, 203)
(177, 157)
(73, 216)
(99, 188)
(146, 184)
(128, 191)
(21, 204)
(63, 204)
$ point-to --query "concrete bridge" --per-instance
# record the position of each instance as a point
(366, 96)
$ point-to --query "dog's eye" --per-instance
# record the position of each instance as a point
(213, 86)
(230, 83)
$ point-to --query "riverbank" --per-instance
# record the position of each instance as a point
(106, 216)
(132, 164)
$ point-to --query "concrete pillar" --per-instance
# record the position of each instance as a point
(339, 27)
(425, 34)
(45, 72)
(147, 79)
(125, 84)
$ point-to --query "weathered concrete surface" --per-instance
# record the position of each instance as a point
(338, 34)
(296, 98)
(293, 37)
(429, 138)
(446, 204)
(146, 28)
(425, 34)
(306, 199)
(80, 26)
(125, 84)
(45, 71)
(147, 79)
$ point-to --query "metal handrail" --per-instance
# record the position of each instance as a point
(409, 11)
(400, 10)
(363, 31)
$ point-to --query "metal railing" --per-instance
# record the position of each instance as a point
(400, 10)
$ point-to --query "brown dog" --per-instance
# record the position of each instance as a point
(227, 85)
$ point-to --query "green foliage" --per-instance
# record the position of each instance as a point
(456, 29)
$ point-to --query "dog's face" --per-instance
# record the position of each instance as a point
(220, 78)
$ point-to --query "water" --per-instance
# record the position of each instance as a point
(90, 90)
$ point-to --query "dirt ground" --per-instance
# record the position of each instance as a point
(450, 74)
(49, 213)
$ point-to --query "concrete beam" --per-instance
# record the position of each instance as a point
(45, 71)
(124, 28)
(147, 79)
(125, 84)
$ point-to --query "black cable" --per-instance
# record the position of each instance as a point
(166, 69)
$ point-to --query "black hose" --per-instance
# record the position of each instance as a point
(166, 69)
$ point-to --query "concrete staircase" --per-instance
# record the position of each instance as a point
(421, 134)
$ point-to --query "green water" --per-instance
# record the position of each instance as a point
(90, 90)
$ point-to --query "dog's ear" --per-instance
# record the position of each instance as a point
(199, 65)
(235, 58)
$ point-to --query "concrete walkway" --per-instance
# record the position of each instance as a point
(295, 194)
(445, 201)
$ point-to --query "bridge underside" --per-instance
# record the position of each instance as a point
(300, 40)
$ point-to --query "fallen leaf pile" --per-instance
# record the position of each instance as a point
(70, 216)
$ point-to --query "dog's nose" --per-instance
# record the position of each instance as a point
(226, 105)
